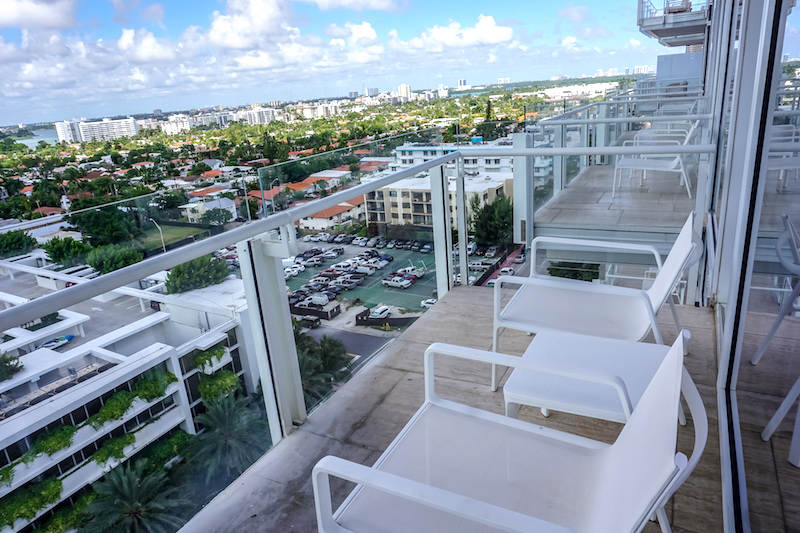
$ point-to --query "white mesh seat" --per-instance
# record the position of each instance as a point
(458, 468)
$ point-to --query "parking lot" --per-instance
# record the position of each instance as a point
(371, 291)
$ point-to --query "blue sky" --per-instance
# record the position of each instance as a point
(69, 58)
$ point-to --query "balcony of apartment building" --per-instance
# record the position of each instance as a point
(676, 22)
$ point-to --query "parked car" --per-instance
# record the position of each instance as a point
(399, 244)
(480, 250)
(520, 258)
(480, 266)
(492, 251)
(413, 271)
(314, 262)
(340, 238)
(380, 312)
(396, 282)
(425, 304)
(472, 248)
(333, 288)
(345, 284)
(309, 321)
(310, 238)
(317, 298)
(426, 248)
(322, 280)
(416, 246)
(391, 243)
(306, 304)
(381, 243)
(338, 249)
(386, 257)
(408, 245)
(372, 242)
(330, 255)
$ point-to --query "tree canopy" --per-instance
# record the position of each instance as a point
(196, 274)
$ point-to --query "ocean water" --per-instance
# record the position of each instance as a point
(48, 136)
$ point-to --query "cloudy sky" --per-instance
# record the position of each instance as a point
(69, 58)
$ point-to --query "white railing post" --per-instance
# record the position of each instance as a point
(524, 201)
(271, 325)
(461, 213)
(601, 133)
(584, 159)
(559, 163)
(442, 236)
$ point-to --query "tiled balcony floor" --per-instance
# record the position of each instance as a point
(360, 420)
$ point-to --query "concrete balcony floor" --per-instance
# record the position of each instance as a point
(362, 418)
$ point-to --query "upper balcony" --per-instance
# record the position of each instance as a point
(676, 22)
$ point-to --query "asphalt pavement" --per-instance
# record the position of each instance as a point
(358, 345)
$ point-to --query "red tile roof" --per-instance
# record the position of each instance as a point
(212, 173)
(204, 192)
(48, 210)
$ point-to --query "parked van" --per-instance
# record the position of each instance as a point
(318, 299)
(364, 269)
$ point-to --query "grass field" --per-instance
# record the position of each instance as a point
(372, 291)
(152, 239)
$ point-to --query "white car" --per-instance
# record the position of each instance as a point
(330, 255)
(380, 312)
(425, 304)
(520, 258)
(507, 271)
(492, 251)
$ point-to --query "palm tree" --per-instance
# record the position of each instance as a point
(315, 381)
(334, 358)
(130, 502)
(234, 437)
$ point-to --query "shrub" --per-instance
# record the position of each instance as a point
(9, 365)
(196, 274)
(112, 257)
(16, 243)
(113, 448)
(7, 474)
(69, 517)
(55, 440)
(27, 501)
(218, 384)
(114, 409)
(158, 454)
(153, 385)
(581, 271)
(206, 358)
(66, 252)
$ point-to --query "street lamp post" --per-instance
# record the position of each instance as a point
(271, 184)
(163, 246)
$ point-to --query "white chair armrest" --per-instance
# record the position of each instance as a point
(595, 376)
(574, 285)
(420, 493)
(586, 243)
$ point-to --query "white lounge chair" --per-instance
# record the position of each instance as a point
(652, 162)
(458, 468)
(545, 303)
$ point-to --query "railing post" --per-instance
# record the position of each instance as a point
(271, 327)
(601, 133)
(442, 236)
(584, 159)
(559, 162)
(524, 200)
(461, 212)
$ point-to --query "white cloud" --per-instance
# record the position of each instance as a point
(439, 38)
(247, 23)
(569, 42)
(358, 5)
(37, 14)
(635, 42)
(143, 46)
(576, 14)
(153, 14)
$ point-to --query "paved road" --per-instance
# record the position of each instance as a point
(360, 344)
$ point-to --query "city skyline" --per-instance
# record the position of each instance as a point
(65, 58)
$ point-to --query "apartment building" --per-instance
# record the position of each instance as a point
(103, 130)
(409, 200)
(411, 154)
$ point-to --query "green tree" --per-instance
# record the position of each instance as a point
(196, 274)
(9, 365)
(107, 225)
(112, 257)
(216, 217)
(130, 501)
(492, 224)
(315, 381)
(13, 186)
(333, 357)
(234, 437)
(198, 169)
(16, 243)
(66, 252)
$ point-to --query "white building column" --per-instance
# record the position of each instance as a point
(271, 327)
(442, 236)
(523, 191)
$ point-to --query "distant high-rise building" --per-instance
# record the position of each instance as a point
(786, 57)
(372, 91)
(157, 112)
(501, 81)
(462, 83)
(105, 130)
(612, 72)
(352, 94)
(627, 70)
(405, 91)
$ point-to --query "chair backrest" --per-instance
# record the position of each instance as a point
(680, 256)
(690, 134)
(639, 469)
(793, 238)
